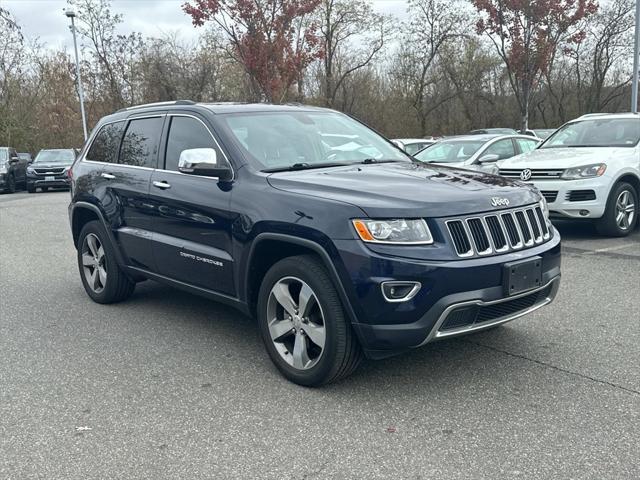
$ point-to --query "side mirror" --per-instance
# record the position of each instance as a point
(203, 161)
(488, 158)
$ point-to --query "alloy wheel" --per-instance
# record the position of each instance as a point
(296, 323)
(94, 263)
(625, 210)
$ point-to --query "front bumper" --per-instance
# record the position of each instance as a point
(447, 287)
(566, 197)
(51, 181)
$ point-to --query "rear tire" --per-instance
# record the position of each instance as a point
(319, 328)
(621, 214)
(102, 278)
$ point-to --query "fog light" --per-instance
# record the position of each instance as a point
(584, 213)
(399, 291)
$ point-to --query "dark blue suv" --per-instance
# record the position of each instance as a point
(337, 242)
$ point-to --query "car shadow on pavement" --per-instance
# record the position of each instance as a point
(206, 324)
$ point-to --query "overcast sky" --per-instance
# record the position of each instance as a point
(45, 19)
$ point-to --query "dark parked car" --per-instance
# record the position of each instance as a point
(339, 252)
(50, 169)
(12, 170)
(25, 156)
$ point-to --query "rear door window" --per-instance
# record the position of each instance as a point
(140, 142)
(105, 146)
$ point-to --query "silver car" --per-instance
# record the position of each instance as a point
(477, 152)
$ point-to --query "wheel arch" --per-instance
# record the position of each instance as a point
(84, 212)
(630, 178)
(269, 248)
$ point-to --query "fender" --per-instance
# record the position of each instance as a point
(90, 206)
(316, 248)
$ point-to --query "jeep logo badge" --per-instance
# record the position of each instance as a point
(499, 202)
(525, 174)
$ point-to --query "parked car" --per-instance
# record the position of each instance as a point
(25, 156)
(413, 145)
(476, 152)
(339, 253)
(589, 168)
(541, 133)
(493, 131)
(12, 170)
(49, 169)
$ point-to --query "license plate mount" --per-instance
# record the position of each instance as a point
(522, 276)
(49, 178)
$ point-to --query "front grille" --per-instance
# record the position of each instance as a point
(536, 173)
(49, 171)
(498, 233)
(549, 195)
(580, 195)
(477, 314)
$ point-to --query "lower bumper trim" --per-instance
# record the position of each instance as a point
(550, 290)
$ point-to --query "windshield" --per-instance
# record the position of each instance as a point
(450, 151)
(55, 156)
(281, 140)
(611, 132)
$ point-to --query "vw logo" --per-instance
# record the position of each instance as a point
(499, 202)
(525, 174)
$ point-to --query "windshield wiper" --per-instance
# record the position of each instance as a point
(305, 166)
(368, 161)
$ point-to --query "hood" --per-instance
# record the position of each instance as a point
(44, 165)
(406, 189)
(564, 157)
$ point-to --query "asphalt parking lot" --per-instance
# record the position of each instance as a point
(169, 385)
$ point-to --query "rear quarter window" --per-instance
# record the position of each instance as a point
(106, 143)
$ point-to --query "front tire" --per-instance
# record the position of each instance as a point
(303, 324)
(11, 184)
(31, 188)
(102, 278)
(621, 213)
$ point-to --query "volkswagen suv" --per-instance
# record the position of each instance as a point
(589, 168)
(340, 252)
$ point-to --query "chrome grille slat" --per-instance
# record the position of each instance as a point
(536, 173)
(498, 232)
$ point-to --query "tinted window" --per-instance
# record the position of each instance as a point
(140, 142)
(502, 148)
(105, 146)
(526, 145)
(185, 133)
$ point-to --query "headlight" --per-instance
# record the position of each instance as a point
(396, 231)
(30, 170)
(544, 207)
(586, 171)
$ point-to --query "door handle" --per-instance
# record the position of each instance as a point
(164, 185)
(108, 176)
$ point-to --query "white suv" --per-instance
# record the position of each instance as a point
(589, 168)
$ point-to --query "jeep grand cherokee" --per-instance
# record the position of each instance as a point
(341, 249)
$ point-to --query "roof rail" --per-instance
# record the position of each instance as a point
(595, 114)
(156, 104)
